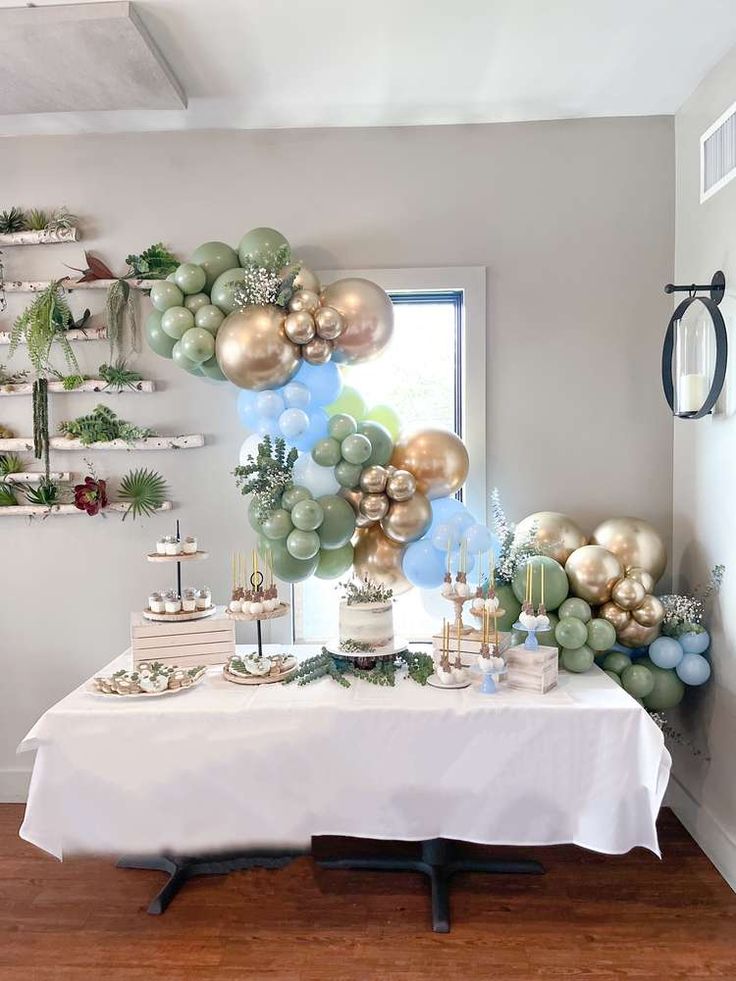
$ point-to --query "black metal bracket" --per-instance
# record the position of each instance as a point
(716, 287)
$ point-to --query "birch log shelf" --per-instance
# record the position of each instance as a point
(98, 385)
(75, 334)
(37, 477)
(24, 444)
(70, 285)
(43, 236)
(31, 510)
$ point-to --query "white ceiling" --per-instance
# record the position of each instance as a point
(297, 63)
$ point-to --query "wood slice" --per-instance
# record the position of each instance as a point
(179, 617)
(182, 557)
(264, 679)
(280, 611)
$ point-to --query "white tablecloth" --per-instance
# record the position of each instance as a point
(224, 766)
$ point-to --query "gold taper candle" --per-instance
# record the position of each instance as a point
(541, 590)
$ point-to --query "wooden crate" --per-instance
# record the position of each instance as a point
(532, 670)
(188, 643)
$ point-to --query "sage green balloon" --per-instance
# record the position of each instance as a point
(334, 561)
(547, 637)
(211, 369)
(616, 661)
(579, 660)
(278, 524)
(176, 321)
(302, 544)
(326, 452)
(508, 602)
(195, 302)
(348, 474)
(292, 495)
(637, 680)
(556, 586)
(338, 523)
(158, 341)
(190, 278)
(614, 677)
(215, 258)
(165, 295)
(601, 634)
(341, 425)
(209, 318)
(259, 246)
(575, 607)
(668, 689)
(382, 445)
(221, 293)
(285, 566)
(198, 345)
(307, 516)
(178, 356)
(356, 448)
(255, 522)
(570, 633)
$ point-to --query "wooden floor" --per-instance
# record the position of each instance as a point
(589, 917)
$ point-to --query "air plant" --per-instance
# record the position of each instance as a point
(7, 495)
(47, 493)
(37, 220)
(13, 220)
(61, 220)
(144, 491)
(10, 463)
(119, 376)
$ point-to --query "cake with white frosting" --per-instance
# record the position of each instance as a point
(366, 619)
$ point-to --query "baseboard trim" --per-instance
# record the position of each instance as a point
(14, 786)
(707, 831)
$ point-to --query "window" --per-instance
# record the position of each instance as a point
(433, 375)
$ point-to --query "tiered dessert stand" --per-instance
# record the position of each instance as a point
(255, 596)
(178, 558)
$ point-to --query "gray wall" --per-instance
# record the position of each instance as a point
(574, 223)
(704, 479)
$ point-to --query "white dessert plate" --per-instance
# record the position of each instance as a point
(333, 647)
(435, 682)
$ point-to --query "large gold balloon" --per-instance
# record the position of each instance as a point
(437, 458)
(635, 635)
(592, 571)
(253, 350)
(649, 613)
(408, 520)
(634, 542)
(305, 278)
(617, 617)
(556, 534)
(354, 498)
(628, 593)
(378, 558)
(368, 316)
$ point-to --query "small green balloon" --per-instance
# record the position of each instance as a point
(616, 661)
(382, 446)
(614, 677)
(348, 474)
(508, 602)
(285, 566)
(302, 544)
(575, 607)
(340, 426)
(350, 402)
(637, 680)
(190, 278)
(338, 524)
(255, 522)
(176, 321)
(570, 633)
(178, 356)
(198, 344)
(326, 452)
(165, 295)
(209, 318)
(601, 634)
(215, 258)
(556, 585)
(356, 448)
(221, 293)
(668, 690)
(158, 341)
(292, 495)
(195, 302)
(547, 638)
(211, 369)
(307, 516)
(334, 561)
(260, 245)
(278, 524)
(387, 418)
(579, 660)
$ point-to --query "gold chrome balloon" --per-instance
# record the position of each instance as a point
(593, 571)
(253, 350)
(329, 323)
(437, 458)
(369, 318)
(317, 351)
(307, 280)
(643, 577)
(378, 558)
(617, 617)
(556, 534)
(628, 593)
(649, 613)
(304, 300)
(354, 497)
(634, 542)
(299, 327)
(408, 520)
(400, 485)
(636, 635)
(373, 480)
(374, 506)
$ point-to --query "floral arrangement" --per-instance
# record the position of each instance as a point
(365, 590)
(270, 279)
(267, 475)
(684, 612)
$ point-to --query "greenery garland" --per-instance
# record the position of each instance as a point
(327, 665)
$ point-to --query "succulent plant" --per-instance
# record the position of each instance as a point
(37, 220)
(10, 463)
(7, 495)
(61, 220)
(91, 495)
(47, 493)
(12, 220)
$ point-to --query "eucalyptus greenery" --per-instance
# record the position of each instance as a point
(102, 425)
(267, 475)
(144, 491)
(365, 590)
(325, 665)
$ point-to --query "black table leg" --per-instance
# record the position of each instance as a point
(439, 866)
(181, 868)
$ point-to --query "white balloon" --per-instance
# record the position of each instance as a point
(318, 480)
(249, 448)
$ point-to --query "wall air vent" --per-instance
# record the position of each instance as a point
(718, 154)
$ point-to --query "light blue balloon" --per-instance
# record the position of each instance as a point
(463, 521)
(445, 508)
(455, 562)
(323, 381)
(293, 423)
(478, 539)
(247, 412)
(693, 669)
(445, 536)
(315, 431)
(296, 395)
(269, 404)
(665, 652)
(423, 565)
(695, 643)
(267, 426)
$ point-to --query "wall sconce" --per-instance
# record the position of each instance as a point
(695, 352)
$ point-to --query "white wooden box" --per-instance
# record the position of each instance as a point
(531, 670)
(188, 643)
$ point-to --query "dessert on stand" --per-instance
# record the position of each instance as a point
(366, 625)
(449, 672)
(259, 669)
(532, 666)
(172, 605)
(459, 592)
